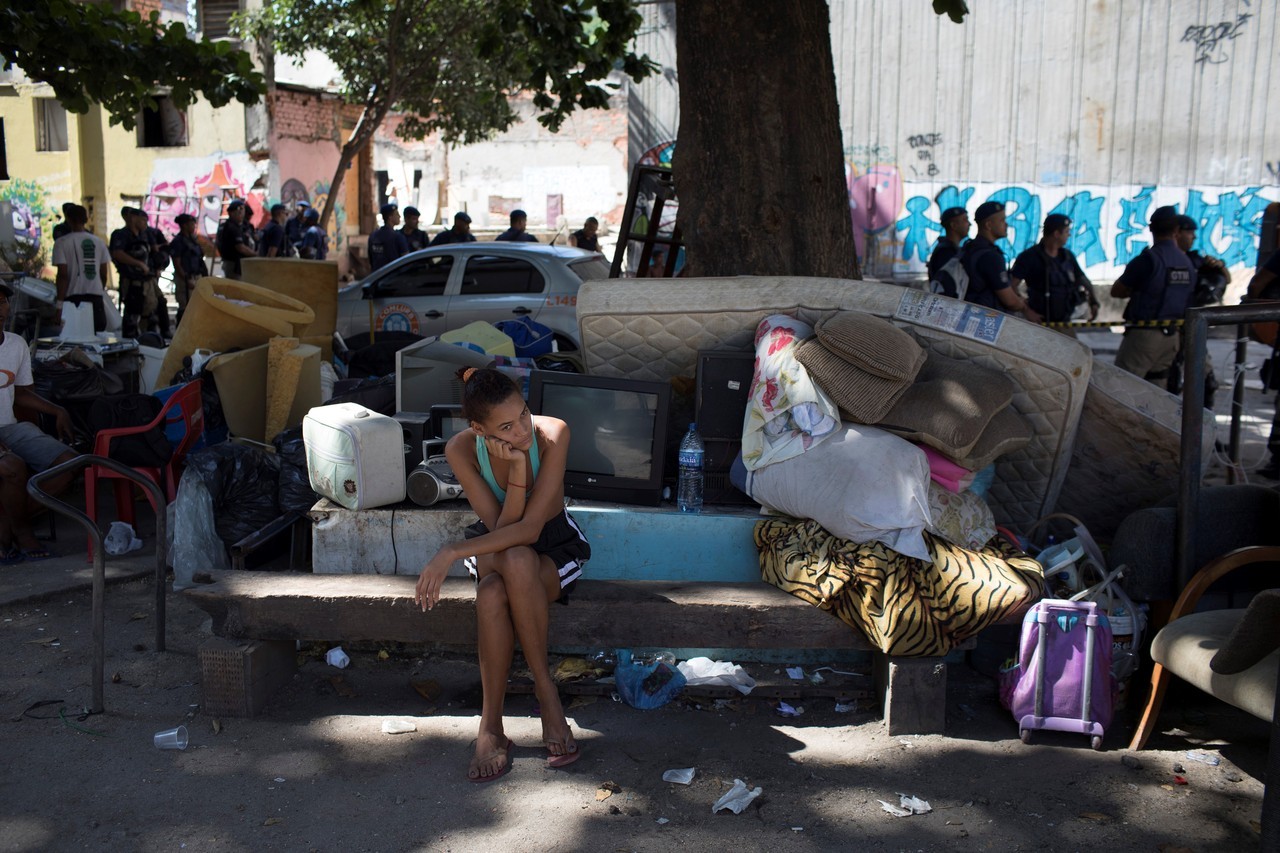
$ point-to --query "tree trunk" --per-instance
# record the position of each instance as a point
(759, 165)
(365, 127)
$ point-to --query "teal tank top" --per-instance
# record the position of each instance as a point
(486, 469)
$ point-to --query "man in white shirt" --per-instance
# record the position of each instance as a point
(24, 448)
(83, 263)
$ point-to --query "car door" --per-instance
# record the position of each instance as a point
(412, 296)
(497, 287)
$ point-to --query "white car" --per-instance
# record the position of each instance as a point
(435, 290)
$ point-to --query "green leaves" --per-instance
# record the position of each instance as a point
(453, 66)
(953, 9)
(91, 54)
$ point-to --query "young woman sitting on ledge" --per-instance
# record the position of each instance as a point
(525, 552)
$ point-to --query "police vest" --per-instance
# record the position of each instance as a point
(1166, 294)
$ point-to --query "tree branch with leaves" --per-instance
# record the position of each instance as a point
(452, 67)
(89, 53)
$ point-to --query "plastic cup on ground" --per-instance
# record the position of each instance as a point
(172, 738)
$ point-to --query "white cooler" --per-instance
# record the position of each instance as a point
(355, 456)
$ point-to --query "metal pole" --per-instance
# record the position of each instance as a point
(1237, 398)
(99, 561)
(1194, 334)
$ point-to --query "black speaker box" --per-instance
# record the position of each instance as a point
(415, 426)
(724, 384)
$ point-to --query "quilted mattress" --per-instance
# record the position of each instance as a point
(1127, 449)
(647, 329)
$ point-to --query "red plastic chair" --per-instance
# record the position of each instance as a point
(185, 406)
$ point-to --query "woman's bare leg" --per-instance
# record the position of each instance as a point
(532, 584)
(496, 642)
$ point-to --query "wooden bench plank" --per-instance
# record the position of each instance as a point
(664, 614)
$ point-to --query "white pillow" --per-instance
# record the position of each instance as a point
(861, 484)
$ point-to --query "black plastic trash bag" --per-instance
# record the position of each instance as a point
(294, 491)
(243, 482)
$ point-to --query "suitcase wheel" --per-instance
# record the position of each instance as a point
(1025, 734)
(1096, 741)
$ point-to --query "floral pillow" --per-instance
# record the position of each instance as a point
(786, 412)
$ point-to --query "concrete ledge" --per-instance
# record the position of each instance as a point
(667, 614)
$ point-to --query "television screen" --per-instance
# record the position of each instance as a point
(618, 430)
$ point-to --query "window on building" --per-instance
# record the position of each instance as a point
(51, 125)
(215, 17)
(163, 127)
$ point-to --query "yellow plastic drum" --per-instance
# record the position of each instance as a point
(224, 314)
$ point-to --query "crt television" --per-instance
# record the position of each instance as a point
(618, 433)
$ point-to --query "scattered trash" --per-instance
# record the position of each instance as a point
(175, 738)
(1178, 768)
(1204, 758)
(737, 798)
(1232, 776)
(575, 669)
(845, 708)
(1131, 762)
(337, 657)
(646, 686)
(383, 654)
(786, 710)
(795, 673)
(680, 777)
(398, 726)
(1180, 780)
(272, 821)
(663, 820)
(217, 726)
(702, 671)
(278, 779)
(797, 829)
(909, 805)
(816, 678)
(1096, 817)
(607, 790)
(121, 539)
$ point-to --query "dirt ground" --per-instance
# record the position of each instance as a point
(315, 772)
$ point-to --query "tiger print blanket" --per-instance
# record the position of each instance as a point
(905, 606)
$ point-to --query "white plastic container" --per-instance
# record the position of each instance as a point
(355, 457)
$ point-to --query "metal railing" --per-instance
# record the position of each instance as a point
(1195, 333)
(99, 559)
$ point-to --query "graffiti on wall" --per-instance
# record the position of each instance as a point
(32, 216)
(1110, 223)
(1212, 40)
(202, 189)
(295, 190)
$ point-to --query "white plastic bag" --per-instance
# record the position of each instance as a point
(120, 539)
(196, 546)
(77, 322)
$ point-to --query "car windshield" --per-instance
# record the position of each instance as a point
(591, 268)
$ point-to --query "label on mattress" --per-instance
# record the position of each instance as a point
(951, 315)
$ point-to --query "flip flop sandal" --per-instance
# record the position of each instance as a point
(35, 555)
(12, 556)
(564, 759)
(506, 768)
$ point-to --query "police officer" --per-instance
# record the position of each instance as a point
(386, 244)
(989, 284)
(275, 240)
(1055, 282)
(459, 233)
(414, 236)
(188, 260)
(130, 250)
(235, 240)
(955, 230)
(1159, 284)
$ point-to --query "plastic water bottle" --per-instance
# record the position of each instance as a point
(692, 451)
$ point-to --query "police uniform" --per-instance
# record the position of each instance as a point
(1055, 284)
(984, 262)
(415, 239)
(385, 245)
(188, 267)
(1161, 280)
(133, 281)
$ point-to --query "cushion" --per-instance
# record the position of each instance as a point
(946, 473)
(949, 405)
(962, 519)
(873, 344)
(786, 413)
(1007, 432)
(1185, 646)
(861, 484)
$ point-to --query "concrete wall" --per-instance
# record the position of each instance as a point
(1099, 110)
(39, 181)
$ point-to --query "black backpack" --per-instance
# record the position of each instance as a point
(150, 449)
